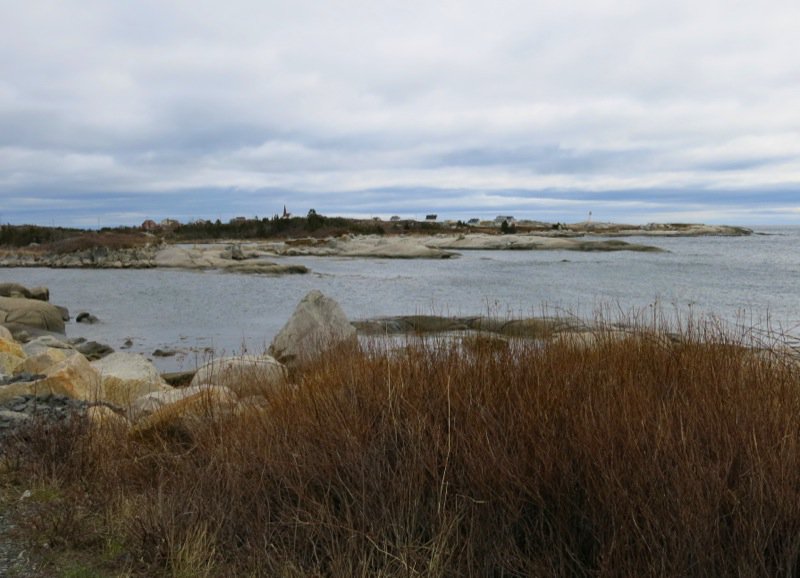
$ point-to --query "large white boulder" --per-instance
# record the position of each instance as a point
(244, 375)
(318, 322)
(126, 377)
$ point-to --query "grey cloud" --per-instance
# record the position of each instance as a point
(453, 104)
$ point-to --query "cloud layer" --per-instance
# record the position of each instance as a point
(114, 112)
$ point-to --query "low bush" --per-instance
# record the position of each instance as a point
(89, 241)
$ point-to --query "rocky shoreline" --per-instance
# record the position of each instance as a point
(253, 257)
(45, 377)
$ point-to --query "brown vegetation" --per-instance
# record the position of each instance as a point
(89, 241)
(638, 456)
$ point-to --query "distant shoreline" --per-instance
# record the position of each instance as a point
(246, 246)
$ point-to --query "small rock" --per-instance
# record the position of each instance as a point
(12, 416)
(164, 353)
(22, 378)
(127, 344)
(85, 317)
(178, 378)
(93, 350)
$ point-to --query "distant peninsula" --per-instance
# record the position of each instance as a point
(250, 245)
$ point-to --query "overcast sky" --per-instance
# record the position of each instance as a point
(112, 112)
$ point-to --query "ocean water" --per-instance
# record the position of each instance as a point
(753, 280)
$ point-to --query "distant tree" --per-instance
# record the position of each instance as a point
(314, 220)
(508, 229)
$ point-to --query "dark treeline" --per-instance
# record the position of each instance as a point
(313, 224)
(24, 235)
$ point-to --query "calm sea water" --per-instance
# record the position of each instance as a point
(752, 279)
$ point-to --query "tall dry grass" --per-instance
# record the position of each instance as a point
(627, 456)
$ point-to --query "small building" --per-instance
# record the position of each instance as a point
(150, 225)
(238, 220)
(431, 218)
(170, 224)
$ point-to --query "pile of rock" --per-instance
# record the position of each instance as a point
(23, 309)
(24, 408)
(51, 377)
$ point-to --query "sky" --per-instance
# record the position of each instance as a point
(114, 112)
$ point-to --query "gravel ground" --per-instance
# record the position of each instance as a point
(14, 559)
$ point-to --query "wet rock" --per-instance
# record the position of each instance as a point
(164, 353)
(93, 350)
(178, 378)
(86, 317)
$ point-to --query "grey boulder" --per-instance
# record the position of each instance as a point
(31, 313)
(318, 323)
